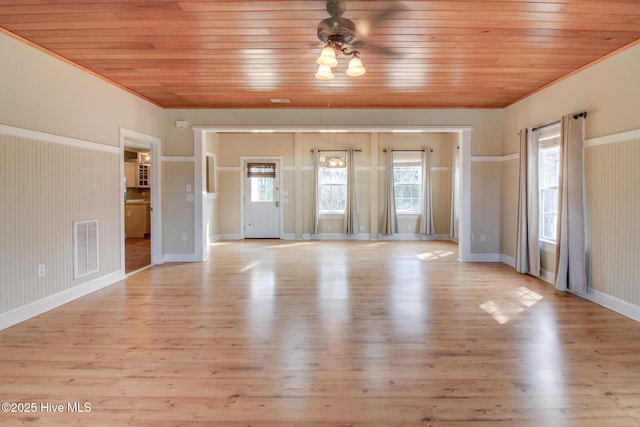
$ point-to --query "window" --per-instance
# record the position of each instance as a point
(262, 176)
(333, 187)
(407, 180)
(548, 179)
(262, 189)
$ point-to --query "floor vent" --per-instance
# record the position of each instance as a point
(85, 248)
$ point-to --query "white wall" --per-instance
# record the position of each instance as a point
(40, 92)
(60, 162)
(610, 92)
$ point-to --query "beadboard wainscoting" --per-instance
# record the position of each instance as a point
(48, 182)
(613, 230)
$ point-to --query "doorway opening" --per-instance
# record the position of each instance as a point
(462, 196)
(139, 197)
(137, 206)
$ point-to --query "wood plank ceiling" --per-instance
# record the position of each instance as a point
(241, 54)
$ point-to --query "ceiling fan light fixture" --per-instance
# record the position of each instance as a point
(339, 34)
(355, 67)
(327, 57)
(335, 162)
(324, 73)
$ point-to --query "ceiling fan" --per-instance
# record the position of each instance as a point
(337, 32)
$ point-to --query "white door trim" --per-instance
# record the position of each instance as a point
(128, 136)
(243, 163)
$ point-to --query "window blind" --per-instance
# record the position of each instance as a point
(261, 170)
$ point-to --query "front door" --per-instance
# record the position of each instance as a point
(261, 198)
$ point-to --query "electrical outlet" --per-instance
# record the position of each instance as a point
(361, 227)
(184, 237)
(483, 237)
(473, 237)
(41, 270)
(329, 227)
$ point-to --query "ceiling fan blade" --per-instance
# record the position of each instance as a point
(391, 9)
(374, 48)
(367, 27)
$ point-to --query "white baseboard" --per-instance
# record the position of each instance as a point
(182, 258)
(612, 303)
(35, 308)
(473, 257)
(548, 277)
(414, 236)
(605, 300)
(231, 236)
(284, 236)
(336, 236)
(509, 260)
(545, 275)
(213, 239)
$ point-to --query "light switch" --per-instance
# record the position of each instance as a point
(188, 188)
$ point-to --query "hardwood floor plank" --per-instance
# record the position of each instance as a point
(275, 333)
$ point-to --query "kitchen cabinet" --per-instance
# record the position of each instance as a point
(136, 218)
(138, 175)
(143, 176)
(148, 225)
(131, 173)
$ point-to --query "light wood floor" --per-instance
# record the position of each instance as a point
(137, 253)
(327, 334)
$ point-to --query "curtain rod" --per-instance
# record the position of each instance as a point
(430, 149)
(335, 151)
(557, 122)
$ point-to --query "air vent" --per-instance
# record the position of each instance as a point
(85, 248)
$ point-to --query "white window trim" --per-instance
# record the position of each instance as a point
(547, 246)
(330, 214)
(550, 134)
(408, 215)
(412, 159)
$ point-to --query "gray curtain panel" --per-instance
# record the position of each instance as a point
(570, 253)
(426, 215)
(351, 208)
(527, 235)
(455, 194)
(389, 218)
(315, 199)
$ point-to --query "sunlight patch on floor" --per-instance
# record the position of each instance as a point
(249, 267)
(515, 302)
(290, 245)
(429, 256)
(378, 244)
